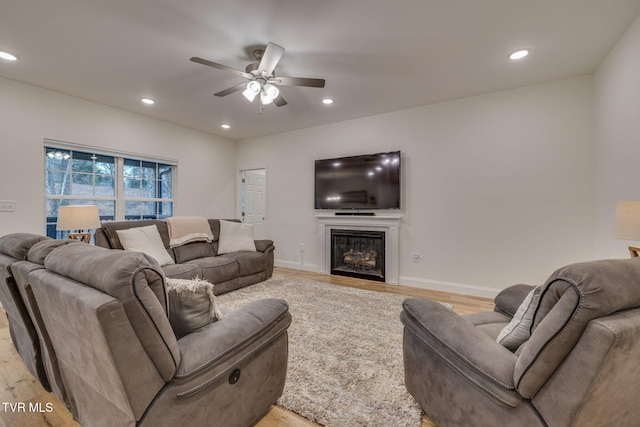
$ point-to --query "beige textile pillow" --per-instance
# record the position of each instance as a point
(192, 305)
(147, 240)
(235, 237)
(518, 330)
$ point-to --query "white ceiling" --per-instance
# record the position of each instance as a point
(376, 55)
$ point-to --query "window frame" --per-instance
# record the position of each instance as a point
(119, 199)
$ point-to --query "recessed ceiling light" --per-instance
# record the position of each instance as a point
(518, 54)
(8, 56)
(148, 101)
(327, 101)
(225, 126)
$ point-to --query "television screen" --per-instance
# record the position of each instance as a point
(369, 181)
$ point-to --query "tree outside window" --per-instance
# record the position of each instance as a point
(141, 190)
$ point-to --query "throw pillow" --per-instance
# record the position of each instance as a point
(235, 237)
(147, 240)
(192, 305)
(518, 330)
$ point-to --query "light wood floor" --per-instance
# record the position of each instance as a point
(17, 385)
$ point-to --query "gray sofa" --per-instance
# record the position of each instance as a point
(104, 315)
(14, 248)
(200, 259)
(38, 248)
(579, 367)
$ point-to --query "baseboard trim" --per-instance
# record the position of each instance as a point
(313, 268)
(456, 288)
(416, 282)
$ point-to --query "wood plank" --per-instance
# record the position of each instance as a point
(18, 385)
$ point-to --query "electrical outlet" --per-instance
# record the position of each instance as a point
(416, 257)
(7, 205)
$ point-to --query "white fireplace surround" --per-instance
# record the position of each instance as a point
(388, 224)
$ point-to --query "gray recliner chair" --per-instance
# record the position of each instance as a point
(21, 270)
(579, 366)
(106, 313)
(13, 248)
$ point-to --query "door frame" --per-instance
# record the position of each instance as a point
(239, 190)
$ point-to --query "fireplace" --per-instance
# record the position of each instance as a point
(388, 224)
(358, 253)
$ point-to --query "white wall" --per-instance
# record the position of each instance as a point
(497, 187)
(617, 100)
(29, 114)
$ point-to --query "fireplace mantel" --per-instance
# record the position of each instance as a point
(389, 224)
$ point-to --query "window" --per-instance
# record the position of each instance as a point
(147, 189)
(123, 188)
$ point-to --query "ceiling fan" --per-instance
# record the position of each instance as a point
(262, 79)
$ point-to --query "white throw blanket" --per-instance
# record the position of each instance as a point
(186, 229)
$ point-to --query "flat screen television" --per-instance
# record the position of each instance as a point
(370, 181)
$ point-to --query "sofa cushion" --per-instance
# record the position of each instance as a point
(109, 229)
(518, 330)
(147, 240)
(17, 245)
(40, 250)
(192, 305)
(182, 271)
(235, 237)
(489, 322)
(193, 250)
(249, 262)
(217, 269)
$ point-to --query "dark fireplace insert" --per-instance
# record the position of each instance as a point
(357, 253)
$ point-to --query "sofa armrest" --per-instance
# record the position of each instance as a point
(509, 299)
(264, 245)
(214, 351)
(100, 238)
(470, 352)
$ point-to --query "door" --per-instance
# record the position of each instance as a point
(254, 201)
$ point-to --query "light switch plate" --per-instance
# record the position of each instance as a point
(7, 205)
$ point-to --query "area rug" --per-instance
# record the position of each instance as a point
(345, 353)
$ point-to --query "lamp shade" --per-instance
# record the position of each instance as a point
(627, 221)
(78, 217)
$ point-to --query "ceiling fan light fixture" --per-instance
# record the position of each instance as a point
(252, 90)
(268, 94)
(262, 77)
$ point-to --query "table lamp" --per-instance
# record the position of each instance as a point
(627, 223)
(78, 218)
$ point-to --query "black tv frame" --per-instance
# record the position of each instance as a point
(359, 195)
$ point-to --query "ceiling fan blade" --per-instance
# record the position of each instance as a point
(298, 81)
(279, 101)
(221, 67)
(270, 58)
(231, 90)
